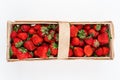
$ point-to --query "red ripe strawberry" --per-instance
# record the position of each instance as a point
(18, 42)
(48, 38)
(79, 26)
(32, 31)
(78, 52)
(82, 34)
(99, 52)
(22, 53)
(43, 31)
(54, 49)
(25, 28)
(103, 38)
(88, 50)
(13, 52)
(105, 51)
(87, 27)
(41, 51)
(97, 27)
(22, 36)
(104, 28)
(73, 31)
(81, 43)
(13, 34)
(75, 41)
(70, 52)
(89, 40)
(92, 32)
(37, 27)
(96, 43)
(29, 45)
(36, 39)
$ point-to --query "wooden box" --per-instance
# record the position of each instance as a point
(64, 40)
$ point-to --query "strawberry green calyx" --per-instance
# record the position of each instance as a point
(109, 34)
(55, 45)
(57, 37)
(44, 30)
(52, 26)
(10, 52)
(96, 43)
(49, 37)
(98, 27)
(19, 44)
(48, 53)
(23, 50)
(16, 27)
(82, 34)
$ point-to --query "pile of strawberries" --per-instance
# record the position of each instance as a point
(90, 40)
(41, 40)
(34, 41)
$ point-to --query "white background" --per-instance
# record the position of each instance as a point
(65, 10)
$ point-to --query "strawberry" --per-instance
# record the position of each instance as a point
(75, 41)
(13, 52)
(82, 34)
(104, 28)
(78, 52)
(13, 34)
(48, 38)
(43, 31)
(73, 31)
(93, 33)
(36, 39)
(22, 36)
(103, 38)
(88, 50)
(70, 52)
(79, 26)
(41, 51)
(89, 40)
(29, 45)
(22, 53)
(37, 27)
(95, 43)
(81, 43)
(32, 31)
(87, 27)
(97, 27)
(25, 28)
(105, 51)
(54, 48)
(18, 42)
(99, 52)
